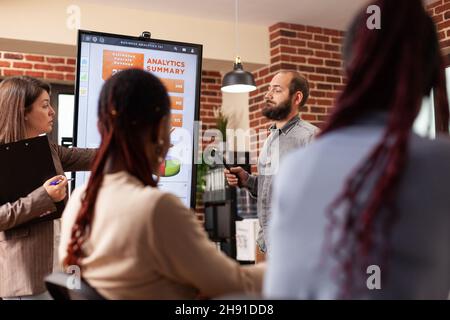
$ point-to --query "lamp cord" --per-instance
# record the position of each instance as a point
(236, 33)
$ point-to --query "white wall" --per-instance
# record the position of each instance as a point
(235, 107)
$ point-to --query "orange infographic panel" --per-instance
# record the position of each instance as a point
(173, 85)
(114, 61)
(177, 120)
(176, 103)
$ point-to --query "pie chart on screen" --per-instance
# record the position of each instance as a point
(170, 167)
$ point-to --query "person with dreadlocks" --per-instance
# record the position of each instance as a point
(364, 212)
(131, 240)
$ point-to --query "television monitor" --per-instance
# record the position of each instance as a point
(176, 64)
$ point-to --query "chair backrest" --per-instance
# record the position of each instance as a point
(57, 285)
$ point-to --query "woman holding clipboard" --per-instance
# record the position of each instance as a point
(26, 252)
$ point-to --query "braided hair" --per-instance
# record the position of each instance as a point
(389, 69)
(132, 104)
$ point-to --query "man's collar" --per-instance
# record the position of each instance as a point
(288, 126)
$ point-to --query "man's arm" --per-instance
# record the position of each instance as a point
(252, 185)
(238, 177)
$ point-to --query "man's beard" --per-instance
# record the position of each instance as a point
(277, 112)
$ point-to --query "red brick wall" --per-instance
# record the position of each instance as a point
(315, 53)
(440, 12)
(50, 68)
(210, 98)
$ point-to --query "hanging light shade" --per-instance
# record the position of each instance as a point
(238, 80)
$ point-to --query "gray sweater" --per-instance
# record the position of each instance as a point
(309, 180)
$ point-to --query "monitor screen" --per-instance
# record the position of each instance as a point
(176, 64)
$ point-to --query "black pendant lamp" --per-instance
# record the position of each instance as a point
(238, 80)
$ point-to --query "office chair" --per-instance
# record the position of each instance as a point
(57, 286)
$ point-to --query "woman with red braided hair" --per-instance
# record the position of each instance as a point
(131, 240)
(364, 212)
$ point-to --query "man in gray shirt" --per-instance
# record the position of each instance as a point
(288, 93)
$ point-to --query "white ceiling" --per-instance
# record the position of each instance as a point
(333, 14)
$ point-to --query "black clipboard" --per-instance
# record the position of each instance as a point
(24, 166)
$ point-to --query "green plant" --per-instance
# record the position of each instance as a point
(221, 122)
(202, 169)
